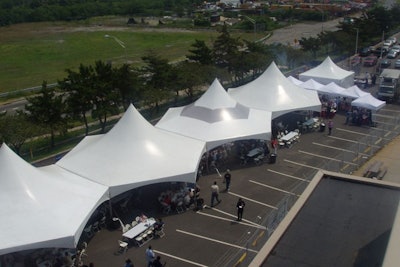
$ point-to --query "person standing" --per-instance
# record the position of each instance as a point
(240, 208)
(128, 263)
(157, 262)
(227, 178)
(214, 193)
(330, 126)
(150, 256)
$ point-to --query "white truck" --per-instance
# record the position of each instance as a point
(389, 85)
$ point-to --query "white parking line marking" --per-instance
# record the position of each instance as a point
(300, 164)
(217, 241)
(178, 258)
(349, 131)
(290, 176)
(323, 157)
(255, 201)
(243, 222)
(273, 188)
(351, 141)
(336, 148)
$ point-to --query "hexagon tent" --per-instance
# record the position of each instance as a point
(369, 102)
(327, 72)
(217, 118)
(272, 91)
(134, 153)
(43, 207)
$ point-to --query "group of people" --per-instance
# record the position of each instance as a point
(215, 194)
(151, 259)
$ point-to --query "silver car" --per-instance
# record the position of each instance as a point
(397, 64)
(392, 54)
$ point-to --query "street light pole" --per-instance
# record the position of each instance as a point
(355, 53)
(118, 41)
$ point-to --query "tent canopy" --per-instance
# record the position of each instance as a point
(327, 72)
(217, 118)
(311, 84)
(369, 102)
(272, 91)
(353, 92)
(43, 207)
(294, 80)
(134, 153)
(331, 89)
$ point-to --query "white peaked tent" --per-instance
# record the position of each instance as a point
(134, 153)
(353, 92)
(331, 89)
(272, 91)
(43, 207)
(327, 72)
(369, 102)
(311, 84)
(217, 118)
(294, 80)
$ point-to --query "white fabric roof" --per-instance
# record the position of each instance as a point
(331, 89)
(217, 118)
(272, 91)
(353, 92)
(327, 72)
(42, 207)
(311, 84)
(135, 153)
(294, 80)
(369, 102)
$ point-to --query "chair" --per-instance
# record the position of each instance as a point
(95, 227)
(88, 231)
(139, 241)
(123, 246)
(159, 232)
(102, 223)
(134, 223)
(179, 207)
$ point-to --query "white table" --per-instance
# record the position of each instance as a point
(139, 228)
(289, 136)
(254, 152)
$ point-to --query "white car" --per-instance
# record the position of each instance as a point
(396, 48)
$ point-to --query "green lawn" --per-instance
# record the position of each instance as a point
(32, 53)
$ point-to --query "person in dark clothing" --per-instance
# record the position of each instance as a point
(227, 178)
(157, 262)
(240, 208)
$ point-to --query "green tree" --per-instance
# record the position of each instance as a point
(225, 49)
(156, 74)
(16, 129)
(106, 98)
(310, 44)
(47, 111)
(200, 53)
(79, 93)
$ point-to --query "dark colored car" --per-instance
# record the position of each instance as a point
(364, 52)
(397, 64)
(355, 61)
(386, 63)
(370, 61)
(380, 50)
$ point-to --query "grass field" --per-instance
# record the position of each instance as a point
(34, 52)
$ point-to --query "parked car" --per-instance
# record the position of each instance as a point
(365, 51)
(386, 63)
(393, 40)
(381, 50)
(370, 61)
(396, 48)
(397, 64)
(392, 54)
(388, 43)
(355, 61)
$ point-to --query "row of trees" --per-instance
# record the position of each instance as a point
(18, 11)
(99, 91)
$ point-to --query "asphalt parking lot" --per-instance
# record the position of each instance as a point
(213, 237)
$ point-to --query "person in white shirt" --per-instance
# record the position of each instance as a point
(214, 193)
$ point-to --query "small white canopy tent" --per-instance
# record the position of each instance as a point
(353, 92)
(43, 207)
(311, 84)
(331, 89)
(217, 118)
(272, 91)
(294, 80)
(134, 153)
(369, 102)
(327, 72)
